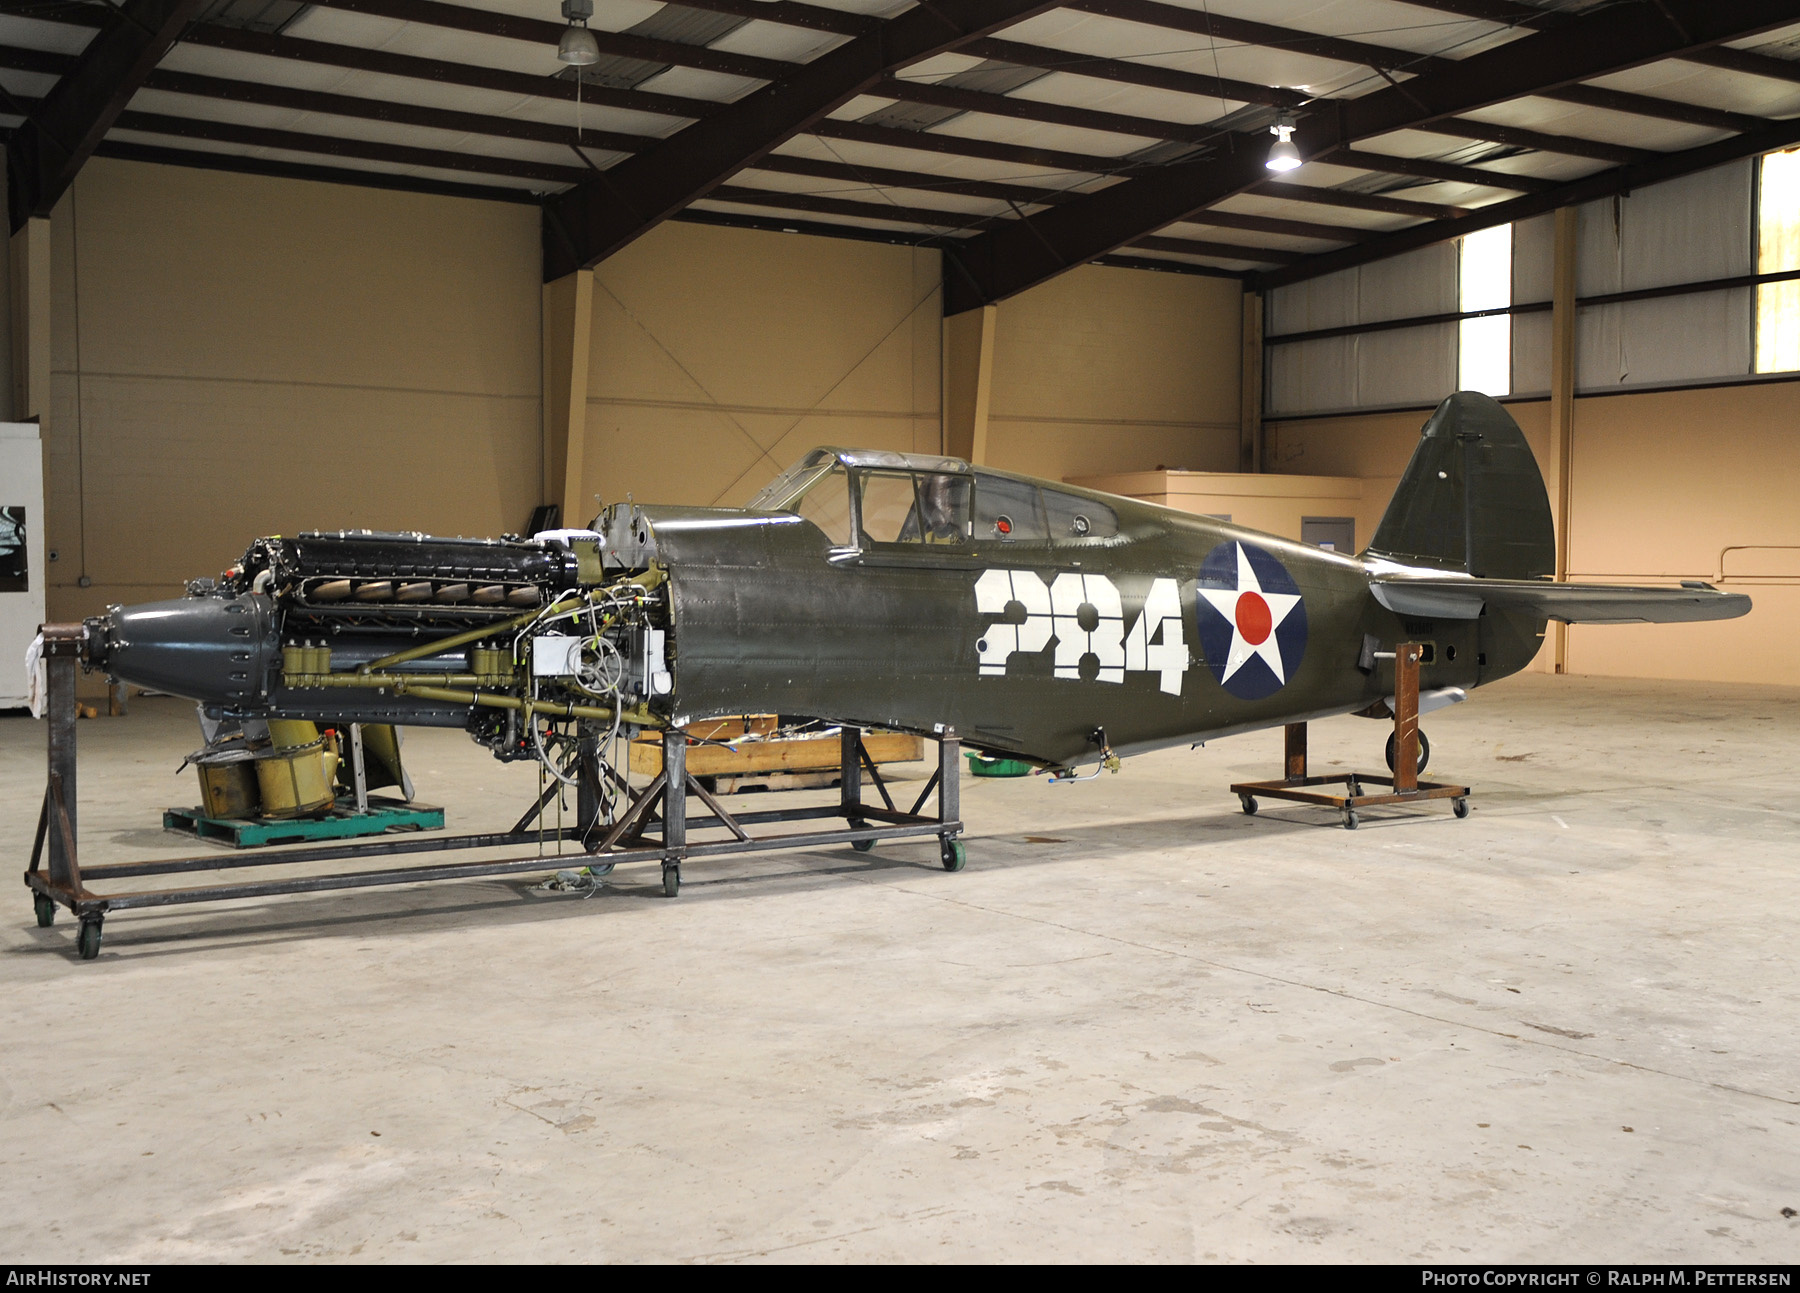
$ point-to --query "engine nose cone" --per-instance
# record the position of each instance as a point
(213, 649)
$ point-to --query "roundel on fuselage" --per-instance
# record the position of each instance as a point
(1252, 620)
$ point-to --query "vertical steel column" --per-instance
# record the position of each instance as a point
(587, 775)
(1295, 734)
(850, 770)
(675, 794)
(62, 654)
(1406, 716)
(949, 774)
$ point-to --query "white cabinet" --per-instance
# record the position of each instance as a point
(22, 572)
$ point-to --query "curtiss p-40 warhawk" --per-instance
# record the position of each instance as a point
(1029, 619)
(898, 590)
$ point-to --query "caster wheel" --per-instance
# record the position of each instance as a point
(1349, 819)
(601, 870)
(1460, 807)
(1355, 789)
(955, 856)
(1424, 751)
(671, 881)
(87, 942)
(46, 910)
(1249, 804)
(862, 846)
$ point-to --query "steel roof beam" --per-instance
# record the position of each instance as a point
(540, 31)
(1512, 14)
(238, 163)
(1267, 35)
(47, 151)
(1352, 200)
(1009, 260)
(1623, 179)
(609, 211)
(1425, 168)
(1519, 137)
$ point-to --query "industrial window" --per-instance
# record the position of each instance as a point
(1484, 358)
(1777, 250)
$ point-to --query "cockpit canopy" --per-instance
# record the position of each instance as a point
(862, 497)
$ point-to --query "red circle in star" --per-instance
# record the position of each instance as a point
(1254, 619)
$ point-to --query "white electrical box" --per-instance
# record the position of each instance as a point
(554, 655)
(22, 573)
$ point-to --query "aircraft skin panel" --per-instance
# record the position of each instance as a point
(766, 619)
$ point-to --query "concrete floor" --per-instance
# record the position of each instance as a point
(1139, 1026)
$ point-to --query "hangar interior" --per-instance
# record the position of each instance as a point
(394, 264)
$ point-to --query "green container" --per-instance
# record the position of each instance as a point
(988, 765)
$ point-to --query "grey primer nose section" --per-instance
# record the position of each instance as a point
(212, 649)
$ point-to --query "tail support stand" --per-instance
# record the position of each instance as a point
(1404, 787)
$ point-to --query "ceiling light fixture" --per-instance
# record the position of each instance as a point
(1283, 156)
(577, 45)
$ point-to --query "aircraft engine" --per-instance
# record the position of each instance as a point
(509, 638)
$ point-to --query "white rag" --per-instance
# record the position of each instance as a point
(36, 683)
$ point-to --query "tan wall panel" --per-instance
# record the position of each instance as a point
(1660, 483)
(240, 355)
(231, 461)
(1663, 480)
(197, 273)
(1274, 504)
(1059, 450)
(721, 355)
(1120, 346)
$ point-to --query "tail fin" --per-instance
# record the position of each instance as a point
(1472, 498)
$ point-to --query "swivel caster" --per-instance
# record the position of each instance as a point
(862, 846)
(87, 941)
(46, 910)
(1460, 807)
(671, 881)
(1249, 804)
(1424, 751)
(954, 855)
(1349, 819)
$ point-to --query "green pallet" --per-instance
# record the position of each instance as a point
(344, 822)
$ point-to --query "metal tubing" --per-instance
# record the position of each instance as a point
(675, 783)
(555, 710)
(62, 651)
(949, 777)
(875, 777)
(439, 645)
(1295, 740)
(331, 853)
(849, 768)
(1406, 716)
(476, 870)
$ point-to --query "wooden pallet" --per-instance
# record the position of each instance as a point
(765, 758)
(342, 823)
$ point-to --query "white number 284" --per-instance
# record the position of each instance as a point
(1084, 615)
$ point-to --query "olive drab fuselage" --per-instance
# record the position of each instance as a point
(1169, 629)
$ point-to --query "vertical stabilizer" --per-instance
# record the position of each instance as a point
(1472, 498)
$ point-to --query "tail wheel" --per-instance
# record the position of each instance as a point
(1393, 752)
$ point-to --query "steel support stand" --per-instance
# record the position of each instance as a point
(56, 878)
(1404, 786)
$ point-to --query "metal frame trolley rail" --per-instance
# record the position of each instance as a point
(654, 825)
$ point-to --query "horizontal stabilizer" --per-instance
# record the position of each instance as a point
(1462, 599)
